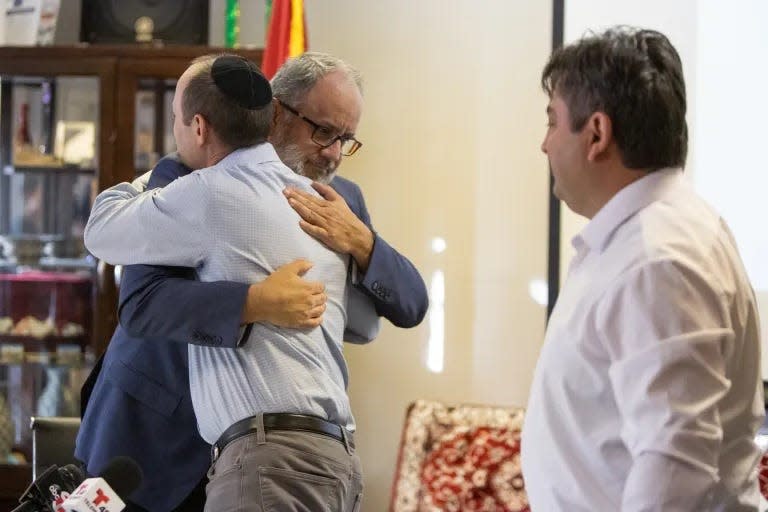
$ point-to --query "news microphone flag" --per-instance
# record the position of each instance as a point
(119, 478)
(53, 485)
(93, 495)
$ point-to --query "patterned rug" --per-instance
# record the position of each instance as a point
(463, 458)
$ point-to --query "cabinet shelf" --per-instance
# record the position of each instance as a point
(64, 169)
(45, 350)
(44, 344)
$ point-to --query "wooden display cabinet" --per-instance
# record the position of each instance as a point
(133, 85)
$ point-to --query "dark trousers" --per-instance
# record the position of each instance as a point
(195, 502)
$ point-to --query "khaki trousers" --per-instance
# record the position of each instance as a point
(285, 471)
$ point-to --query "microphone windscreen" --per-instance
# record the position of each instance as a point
(123, 475)
(71, 473)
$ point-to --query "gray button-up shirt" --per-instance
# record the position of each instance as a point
(231, 222)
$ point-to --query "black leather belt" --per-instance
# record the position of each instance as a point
(283, 421)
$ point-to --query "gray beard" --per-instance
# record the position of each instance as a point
(294, 159)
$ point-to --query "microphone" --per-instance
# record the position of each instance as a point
(121, 477)
(53, 485)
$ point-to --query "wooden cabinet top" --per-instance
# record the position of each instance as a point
(126, 51)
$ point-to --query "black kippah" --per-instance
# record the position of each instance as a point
(241, 81)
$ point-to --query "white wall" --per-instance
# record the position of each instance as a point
(452, 95)
(452, 123)
(731, 172)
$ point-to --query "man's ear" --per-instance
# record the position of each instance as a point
(202, 129)
(599, 131)
(277, 112)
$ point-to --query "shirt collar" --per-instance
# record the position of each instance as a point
(251, 155)
(628, 201)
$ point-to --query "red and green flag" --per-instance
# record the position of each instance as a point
(286, 34)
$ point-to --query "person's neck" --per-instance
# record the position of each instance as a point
(216, 153)
(610, 181)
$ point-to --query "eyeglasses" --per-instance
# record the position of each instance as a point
(324, 136)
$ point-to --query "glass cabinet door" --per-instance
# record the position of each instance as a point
(153, 129)
(49, 158)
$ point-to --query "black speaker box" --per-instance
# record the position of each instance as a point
(174, 21)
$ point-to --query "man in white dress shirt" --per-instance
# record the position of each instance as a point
(647, 394)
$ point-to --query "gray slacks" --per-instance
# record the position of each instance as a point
(285, 471)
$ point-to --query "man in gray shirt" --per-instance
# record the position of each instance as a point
(277, 403)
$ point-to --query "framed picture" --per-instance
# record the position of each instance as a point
(29, 22)
(75, 142)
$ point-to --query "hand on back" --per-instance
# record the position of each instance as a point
(286, 299)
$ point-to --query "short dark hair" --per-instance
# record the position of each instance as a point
(235, 125)
(635, 77)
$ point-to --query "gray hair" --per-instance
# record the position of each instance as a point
(297, 76)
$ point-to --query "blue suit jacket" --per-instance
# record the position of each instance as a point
(137, 397)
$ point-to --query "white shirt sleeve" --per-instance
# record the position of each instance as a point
(667, 335)
(167, 226)
(659, 483)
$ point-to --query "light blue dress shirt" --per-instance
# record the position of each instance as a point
(231, 222)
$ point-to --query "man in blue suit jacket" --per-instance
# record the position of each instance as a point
(139, 402)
